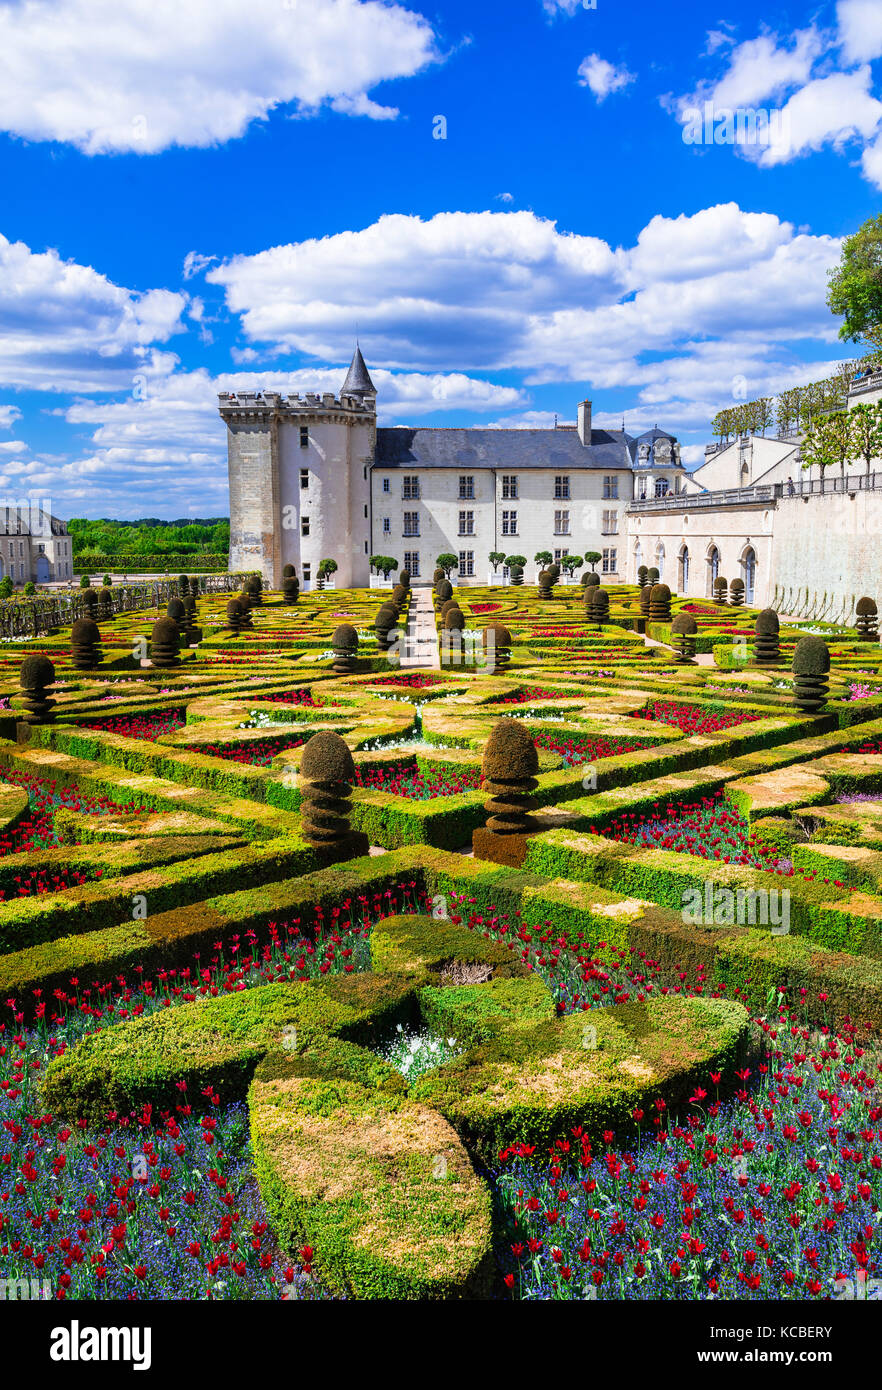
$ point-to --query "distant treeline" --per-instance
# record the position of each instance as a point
(149, 537)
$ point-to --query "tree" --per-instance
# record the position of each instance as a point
(593, 557)
(30, 588)
(5, 587)
(447, 562)
(543, 558)
(383, 564)
(85, 581)
(764, 413)
(496, 558)
(788, 409)
(571, 563)
(818, 447)
(325, 569)
(511, 561)
(866, 432)
(855, 285)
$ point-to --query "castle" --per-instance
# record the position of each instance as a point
(313, 478)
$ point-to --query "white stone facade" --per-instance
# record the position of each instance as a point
(34, 545)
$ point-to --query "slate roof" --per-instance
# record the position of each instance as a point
(470, 447)
(358, 378)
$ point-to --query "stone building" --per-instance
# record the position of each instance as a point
(34, 545)
(314, 478)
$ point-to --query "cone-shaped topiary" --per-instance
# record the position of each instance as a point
(660, 604)
(327, 772)
(720, 589)
(443, 590)
(509, 765)
(345, 644)
(867, 620)
(684, 630)
(767, 646)
(291, 589)
(496, 641)
(36, 678)
(811, 666)
(85, 644)
(165, 643)
(545, 582)
(736, 593)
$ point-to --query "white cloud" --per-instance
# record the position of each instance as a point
(527, 420)
(871, 161)
(195, 263)
(860, 29)
(828, 111)
(13, 446)
(120, 75)
(603, 77)
(761, 68)
(8, 416)
(65, 327)
(505, 197)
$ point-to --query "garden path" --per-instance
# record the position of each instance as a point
(421, 647)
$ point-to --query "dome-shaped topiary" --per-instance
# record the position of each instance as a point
(509, 766)
(767, 645)
(345, 645)
(516, 575)
(736, 593)
(447, 605)
(236, 615)
(867, 620)
(684, 629)
(399, 593)
(866, 605)
(404, 579)
(85, 644)
(443, 589)
(660, 604)
(685, 623)
(105, 601)
(496, 643)
(454, 620)
(291, 589)
(591, 579)
(767, 623)
(596, 604)
(165, 643)
(288, 571)
(387, 615)
(35, 677)
(176, 610)
(438, 575)
(327, 758)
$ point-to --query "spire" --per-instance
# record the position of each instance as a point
(358, 381)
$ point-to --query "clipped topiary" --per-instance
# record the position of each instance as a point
(437, 576)
(253, 587)
(345, 645)
(446, 606)
(443, 590)
(291, 589)
(496, 642)
(684, 630)
(736, 593)
(384, 622)
(867, 620)
(327, 772)
(642, 575)
(597, 605)
(165, 643)
(516, 575)
(811, 666)
(90, 602)
(454, 620)
(105, 602)
(509, 765)
(36, 677)
(645, 599)
(591, 579)
(660, 604)
(720, 589)
(767, 644)
(236, 615)
(177, 612)
(399, 594)
(545, 582)
(288, 571)
(85, 644)
(404, 579)
(554, 572)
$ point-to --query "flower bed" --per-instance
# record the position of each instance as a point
(38, 830)
(255, 753)
(147, 726)
(406, 779)
(574, 749)
(694, 719)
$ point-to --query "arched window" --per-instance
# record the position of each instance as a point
(638, 559)
(662, 487)
(660, 561)
(683, 585)
(745, 475)
(713, 569)
(748, 566)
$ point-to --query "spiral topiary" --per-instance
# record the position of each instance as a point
(867, 620)
(165, 643)
(496, 641)
(684, 630)
(645, 599)
(736, 593)
(509, 766)
(720, 589)
(660, 604)
(443, 590)
(597, 605)
(545, 584)
(516, 575)
(345, 645)
(85, 644)
(642, 575)
(767, 644)
(291, 589)
(384, 622)
(253, 587)
(90, 602)
(811, 666)
(105, 602)
(236, 615)
(36, 677)
(177, 612)
(327, 772)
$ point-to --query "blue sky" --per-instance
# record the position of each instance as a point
(214, 195)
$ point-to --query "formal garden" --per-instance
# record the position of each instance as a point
(546, 968)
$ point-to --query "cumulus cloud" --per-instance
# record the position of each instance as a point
(603, 77)
(828, 111)
(860, 29)
(8, 416)
(65, 327)
(112, 76)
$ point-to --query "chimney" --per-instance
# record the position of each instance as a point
(583, 422)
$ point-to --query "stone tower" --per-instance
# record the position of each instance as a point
(300, 479)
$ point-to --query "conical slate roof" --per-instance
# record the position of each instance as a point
(358, 380)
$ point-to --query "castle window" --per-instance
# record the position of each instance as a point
(609, 562)
(365, 509)
(466, 563)
(410, 487)
(304, 526)
(509, 523)
(662, 487)
(559, 554)
(304, 436)
(385, 484)
(307, 573)
(411, 523)
(467, 523)
(304, 477)
(562, 485)
(561, 523)
(610, 523)
(610, 485)
(466, 485)
(509, 486)
(387, 525)
(412, 563)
